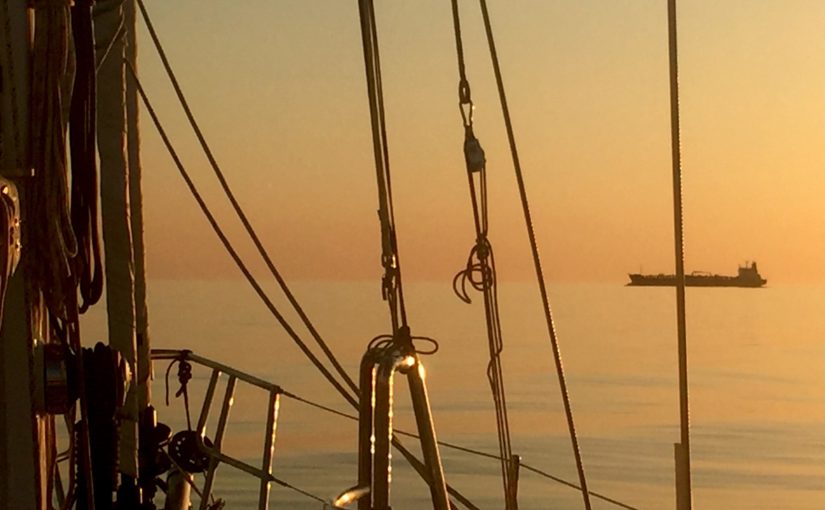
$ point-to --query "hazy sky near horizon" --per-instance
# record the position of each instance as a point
(278, 87)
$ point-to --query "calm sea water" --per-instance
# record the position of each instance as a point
(757, 394)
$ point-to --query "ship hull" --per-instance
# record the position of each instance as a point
(640, 280)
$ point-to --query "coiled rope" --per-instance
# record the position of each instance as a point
(82, 140)
(49, 237)
(48, 233)
(525, 205)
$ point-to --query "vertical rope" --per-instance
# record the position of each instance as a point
(392, 286)
(16, 152)
(554, 343)
(679, 250)
(480, 270)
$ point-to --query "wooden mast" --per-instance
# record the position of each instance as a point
(116, 211)
(23, 461)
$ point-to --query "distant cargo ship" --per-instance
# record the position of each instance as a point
(748, 277)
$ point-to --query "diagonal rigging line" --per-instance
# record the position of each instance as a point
(236, 206)
(229, 248)
(464, 449)
(416, 464)
(554, 343)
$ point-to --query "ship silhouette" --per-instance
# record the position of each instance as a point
(748, 276)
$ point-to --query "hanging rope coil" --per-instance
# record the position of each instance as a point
(82, 136)
(48, 231)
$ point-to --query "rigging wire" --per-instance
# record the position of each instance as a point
(271, 478)
(464, 449)
(236, 206)
(535, 252)
(414, 462)
(684, 484)
(231, 250)
(480, 270)
(391, 284)
(392, 288)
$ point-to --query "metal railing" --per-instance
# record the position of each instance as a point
(216, 456)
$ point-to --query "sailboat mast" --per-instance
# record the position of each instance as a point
(144, 362)
(23, 433)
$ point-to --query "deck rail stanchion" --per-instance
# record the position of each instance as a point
(207, 401)
(219, 433)
(269, 446)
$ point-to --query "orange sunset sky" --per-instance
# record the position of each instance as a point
(278, 87)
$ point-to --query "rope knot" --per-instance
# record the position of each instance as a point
(184, 376)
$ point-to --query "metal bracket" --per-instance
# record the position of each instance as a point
(9, 193)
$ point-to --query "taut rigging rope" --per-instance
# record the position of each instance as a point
(459, 448)
(414, 462)
(392, 288)
(684, 485)
(237, 208)
(480, 271)
(231, 250)
(554, 343)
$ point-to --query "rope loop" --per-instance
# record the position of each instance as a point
(478, 273)
(184, 376)
(387, 341)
